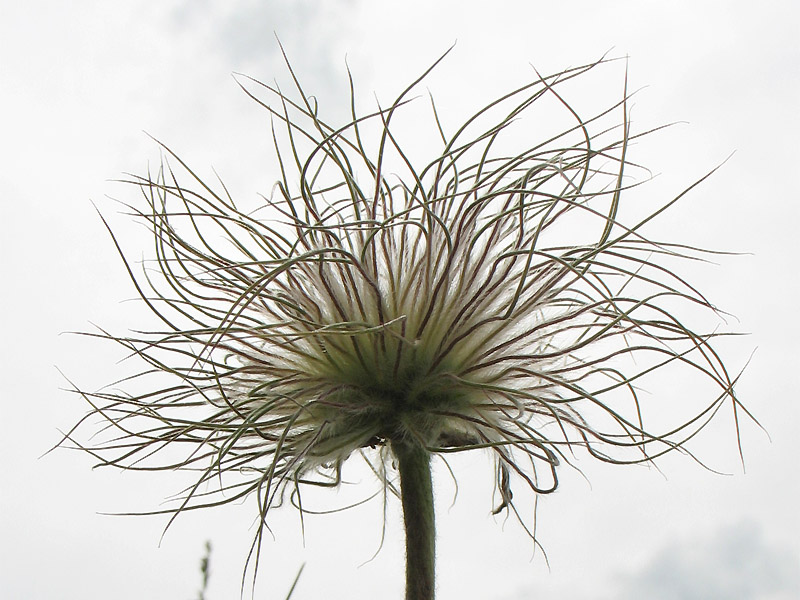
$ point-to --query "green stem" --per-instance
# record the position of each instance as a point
(416, 490)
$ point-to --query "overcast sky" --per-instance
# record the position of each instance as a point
(79, 84)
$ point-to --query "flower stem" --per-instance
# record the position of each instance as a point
(416, 490)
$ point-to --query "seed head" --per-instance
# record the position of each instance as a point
(485, 299)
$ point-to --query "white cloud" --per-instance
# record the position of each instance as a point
(737, 563)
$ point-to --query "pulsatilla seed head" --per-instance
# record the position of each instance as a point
(485, 299)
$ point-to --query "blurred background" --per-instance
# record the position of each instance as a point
(81, 82)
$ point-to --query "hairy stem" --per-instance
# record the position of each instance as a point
(416, 490)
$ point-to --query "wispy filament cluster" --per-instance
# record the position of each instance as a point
(482, 299)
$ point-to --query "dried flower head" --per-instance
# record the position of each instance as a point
(484, 300)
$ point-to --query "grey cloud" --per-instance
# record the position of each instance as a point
(314, 34)
(738, 563)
